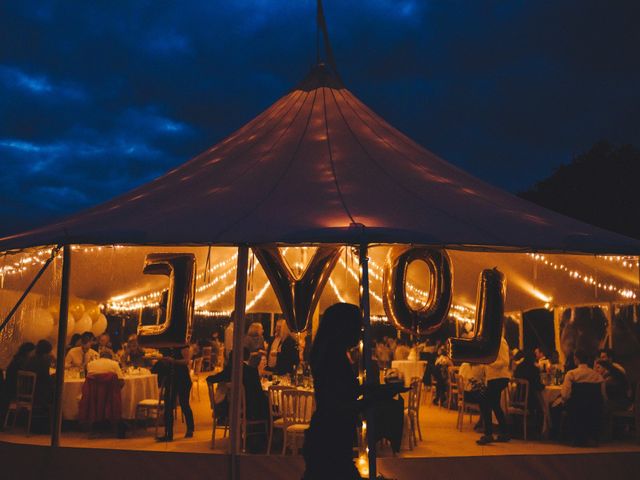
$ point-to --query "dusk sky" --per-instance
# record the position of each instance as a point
(97, 97)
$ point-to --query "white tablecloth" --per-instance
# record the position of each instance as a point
(410, 369)
(136, 388)
(549, 395)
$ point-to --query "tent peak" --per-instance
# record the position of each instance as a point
(320, 75)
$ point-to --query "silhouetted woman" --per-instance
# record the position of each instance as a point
(328, 444)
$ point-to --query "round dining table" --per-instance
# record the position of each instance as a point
(137, 386)
(410, 369)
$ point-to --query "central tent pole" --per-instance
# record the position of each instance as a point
(366, 351)
(236, 358)
(62, 340)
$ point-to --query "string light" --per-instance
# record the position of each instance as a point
(582, 277)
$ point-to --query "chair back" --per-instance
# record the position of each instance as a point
(297, 406)
(518, 393)
(196, 366)
(585, 410)
(414, 395)
(460, 389)
(275, 399)
(206, 356)
(453, 378)
(25, 387)
(101, 399)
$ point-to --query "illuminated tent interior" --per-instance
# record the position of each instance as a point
(112, 278)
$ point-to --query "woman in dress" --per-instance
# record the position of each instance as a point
(328, 444)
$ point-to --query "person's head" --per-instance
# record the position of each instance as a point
(339, 331)
(580, 357)
(282, 329)
(132, 342)
(606, 354)
(85, 343)
(43, 348)
(555, 357)
(215, 336)
(104, 340)
(106, 353)
(255, 337)
(538, 353)
(75, 340)
(25, 350)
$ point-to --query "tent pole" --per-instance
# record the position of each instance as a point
(236, 358)
(62, 339)
(366, 351)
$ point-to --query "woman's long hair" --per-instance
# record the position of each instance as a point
(339, 330)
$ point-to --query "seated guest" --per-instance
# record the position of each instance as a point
(18, 362)
(254, 342)
(282, 355)
(25, 351)
(606, 354)
(133, 354)
(473, 376)
(257, 406)
(584, 411)
(105, 364)
(541, 360)
(616, 385)
(581, 374)
(440, 374)
(554, 358)
(79, 357)
(40, 363)
(526, 370)
(383, 354)
(402, 351)
(74, 342)
(104, 343)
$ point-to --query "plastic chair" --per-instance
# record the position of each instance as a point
(274, 395)
(25, 393)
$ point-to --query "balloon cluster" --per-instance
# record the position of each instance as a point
(83, 317)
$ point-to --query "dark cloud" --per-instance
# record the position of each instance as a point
(98, 97)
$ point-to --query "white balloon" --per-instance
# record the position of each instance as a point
(84, 324)
(71, 325)
(100, 326)
(38, 326)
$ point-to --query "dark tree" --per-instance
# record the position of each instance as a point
(599, 187)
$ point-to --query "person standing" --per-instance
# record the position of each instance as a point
(497, 375)
(177, 387)
(282, 356)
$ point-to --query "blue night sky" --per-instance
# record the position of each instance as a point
(97, 97)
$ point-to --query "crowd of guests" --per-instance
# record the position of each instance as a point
(86, 354)
(605, 381)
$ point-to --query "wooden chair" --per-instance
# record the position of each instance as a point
(413, 408)
(151, 408)
(297, 409)
(224, 427)
(453, 386)
(275, 410)
(245, 423)
(25, 391)
(631, 415)
(464, 406)
(518, 401)
(195, 371)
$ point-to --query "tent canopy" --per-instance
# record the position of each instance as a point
(320, 166)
